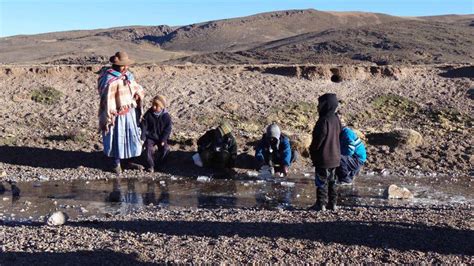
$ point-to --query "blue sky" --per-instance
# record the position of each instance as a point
(39, 16)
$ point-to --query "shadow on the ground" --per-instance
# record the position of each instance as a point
(51, 158)
(400, 236)
(461, 72)
(96, 257)
(180, 163)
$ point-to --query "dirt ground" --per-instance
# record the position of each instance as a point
(414, 120)
(49, 119)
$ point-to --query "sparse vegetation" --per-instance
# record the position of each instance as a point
(75, 135)
(46, 95)
(394, 107)
(450, 119)
(297, 115)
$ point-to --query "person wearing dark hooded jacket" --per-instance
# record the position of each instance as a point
(325, 151)
(218, 147)
(274, 149)
(156, 129)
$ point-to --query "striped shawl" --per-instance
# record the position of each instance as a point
(118, 92)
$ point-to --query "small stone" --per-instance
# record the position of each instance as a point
(43, 178)
(252, 173)
(57, 218)
(287, 184)
(203, 178)
(3, 174)
(395, 192)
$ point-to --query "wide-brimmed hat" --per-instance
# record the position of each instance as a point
(121, 59)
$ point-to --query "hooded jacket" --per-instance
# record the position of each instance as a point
(279, 153)
(325, 146)
(156, 128)
(214, 141)
(352, 145)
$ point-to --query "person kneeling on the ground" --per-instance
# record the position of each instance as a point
(156, 129)
(325, 152)
(218, 147)
(353, 156)
(274, 149)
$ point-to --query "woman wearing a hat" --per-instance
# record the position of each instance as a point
(119, 112)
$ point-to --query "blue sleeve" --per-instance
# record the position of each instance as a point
(259, 151)
(286, 151)
(347, 139)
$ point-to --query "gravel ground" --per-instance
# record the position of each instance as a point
(60, 142)
(396, 234)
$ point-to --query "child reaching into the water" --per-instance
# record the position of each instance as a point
(156, 129)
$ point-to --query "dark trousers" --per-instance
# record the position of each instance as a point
(155, 156)
(350, 167)
(325, 186)
(216, 159)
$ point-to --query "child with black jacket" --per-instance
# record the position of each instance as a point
(325, 151)
(156, 129)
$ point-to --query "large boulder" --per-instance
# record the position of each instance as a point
(301, 143)
(408, 138)
(57, 218)
(396, 192)
(397, 138)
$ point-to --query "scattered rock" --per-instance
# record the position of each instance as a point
(395, 192)
(3, 174)
(43, 178)
(398, 138)
(301, 143)
(408, 137)
(57, 218)
(229, 106)
(203, 178)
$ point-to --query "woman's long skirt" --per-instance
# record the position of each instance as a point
(123, 139)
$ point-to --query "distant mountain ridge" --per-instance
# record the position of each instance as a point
(266, 37)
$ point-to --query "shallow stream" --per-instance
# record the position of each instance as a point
(109, 197)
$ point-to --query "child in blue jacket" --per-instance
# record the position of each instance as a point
(274, 149)
(353, 156)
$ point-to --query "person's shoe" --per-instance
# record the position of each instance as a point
(345, 183)
(134, 166)
(333, 207)
(117, 170)
(150, 170)
(318, 208)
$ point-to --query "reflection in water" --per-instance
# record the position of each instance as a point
(149, 197)
(273, 195)
(115, 195)
(217, 195)
(131, 195)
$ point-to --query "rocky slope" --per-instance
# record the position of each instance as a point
(293, 36)
(398, 42)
